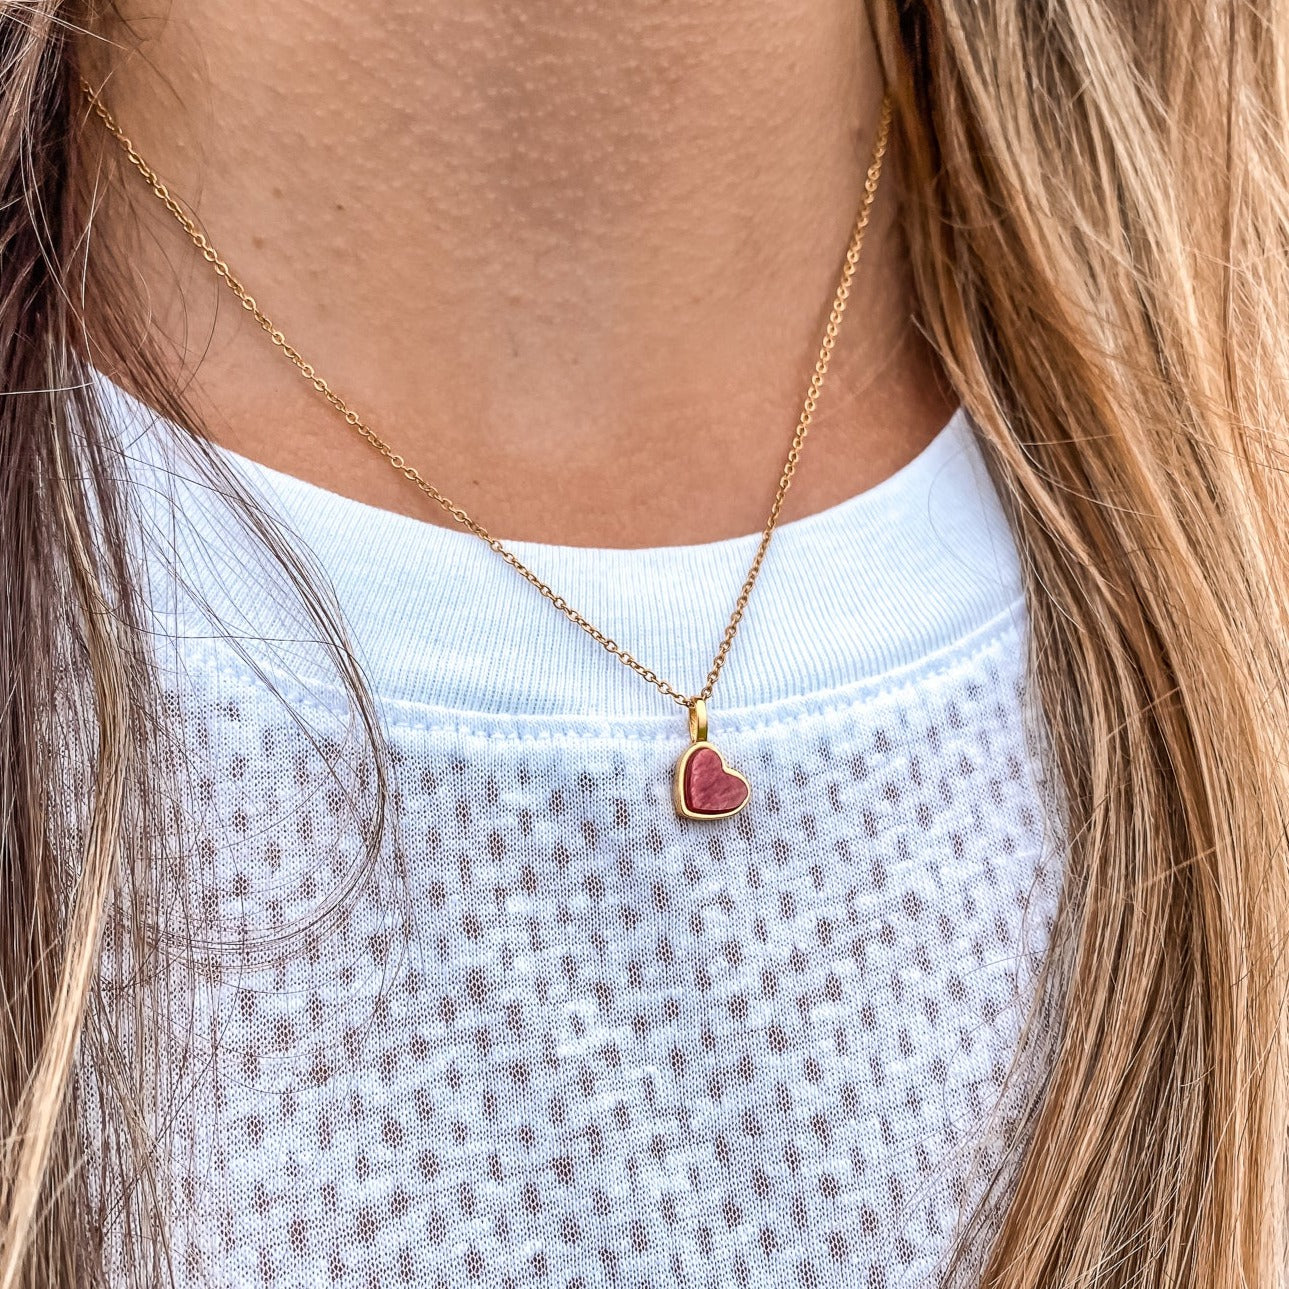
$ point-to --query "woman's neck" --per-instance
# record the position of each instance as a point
(571, 259)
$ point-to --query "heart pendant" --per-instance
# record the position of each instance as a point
(705, 787)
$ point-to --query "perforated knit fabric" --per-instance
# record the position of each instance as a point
(557, 1036)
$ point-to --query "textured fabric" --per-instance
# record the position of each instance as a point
(556, 1036)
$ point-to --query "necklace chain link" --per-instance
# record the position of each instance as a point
(306, 369)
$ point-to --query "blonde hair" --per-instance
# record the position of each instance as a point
(1095, 196)
(1097, 201)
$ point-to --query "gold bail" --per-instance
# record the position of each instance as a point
(698, 721)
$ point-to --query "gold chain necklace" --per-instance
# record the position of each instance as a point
(705, 786)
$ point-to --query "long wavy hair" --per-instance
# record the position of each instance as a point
(1095, 198)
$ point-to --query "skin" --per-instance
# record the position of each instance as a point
(572, 259)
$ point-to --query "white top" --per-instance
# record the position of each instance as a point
(556, 1036)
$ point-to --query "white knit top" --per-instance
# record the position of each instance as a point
(554, 1035)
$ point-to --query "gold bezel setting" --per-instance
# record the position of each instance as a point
(678, 785)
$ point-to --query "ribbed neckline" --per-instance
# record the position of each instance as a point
(876, 584)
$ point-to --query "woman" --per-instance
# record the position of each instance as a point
(367, 921)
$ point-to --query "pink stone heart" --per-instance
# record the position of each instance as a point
(710, 788)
